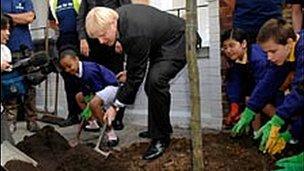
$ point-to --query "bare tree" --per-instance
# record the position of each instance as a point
(191, 53)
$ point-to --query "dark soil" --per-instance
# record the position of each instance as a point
(53, 152)
(18, 165)
(52, 119)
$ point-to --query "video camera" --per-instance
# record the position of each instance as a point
(31, 69)
(35, 67)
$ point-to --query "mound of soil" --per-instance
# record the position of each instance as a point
(17, 165)
(53, 152)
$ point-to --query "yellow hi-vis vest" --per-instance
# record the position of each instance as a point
(53, 5)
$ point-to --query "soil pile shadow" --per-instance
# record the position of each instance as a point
(53, 152)
(52, 119)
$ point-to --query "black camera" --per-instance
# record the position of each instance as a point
(35, 66)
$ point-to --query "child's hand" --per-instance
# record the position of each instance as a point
(109, 116)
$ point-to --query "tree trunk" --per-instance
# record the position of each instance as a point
(195, 124)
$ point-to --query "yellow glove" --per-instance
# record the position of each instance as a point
(276, 141)
(278, 147)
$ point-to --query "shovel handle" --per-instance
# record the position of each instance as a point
(104, 127)
(80, 128)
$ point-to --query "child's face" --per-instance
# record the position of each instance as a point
(69, 64)
(276, 53)
(233, 49)
(5, 35)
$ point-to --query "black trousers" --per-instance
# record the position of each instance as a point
(159, 98)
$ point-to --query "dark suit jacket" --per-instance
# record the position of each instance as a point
(147, 33)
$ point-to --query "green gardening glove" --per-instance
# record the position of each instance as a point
(86, 113)
(88, 98)
(293, 163)
(265, 130)
(246, 118)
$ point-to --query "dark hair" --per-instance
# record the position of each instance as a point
(4, 22)
(235, 33)
(278, 30)
(68, 52)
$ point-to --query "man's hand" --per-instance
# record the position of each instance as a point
(122, 76)
(118, 47)
(275, 121)
(246, 118)
(5, 66)
(84, 47)
(109, 116)
(22, 18)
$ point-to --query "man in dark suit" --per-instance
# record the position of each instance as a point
(145, 34)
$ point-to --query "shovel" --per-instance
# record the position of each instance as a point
(76, 141)
(9, 152)
(103, 130)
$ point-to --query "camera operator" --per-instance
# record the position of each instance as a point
(22, 14)
(5, 66)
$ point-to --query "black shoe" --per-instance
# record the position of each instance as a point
(32, 126)
(156, 148)
(113, 143)
(118, 125)
(144, 134)
(68, 122)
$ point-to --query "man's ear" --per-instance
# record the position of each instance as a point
(244, 44)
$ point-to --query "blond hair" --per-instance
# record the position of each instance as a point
(99, 19)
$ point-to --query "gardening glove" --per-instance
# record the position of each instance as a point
(246, 117)
(88, 98)
(265, 130)
(86, 113)
(277, 142)
(233, 116)
(293, 163)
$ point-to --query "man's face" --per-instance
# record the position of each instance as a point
(5, 35)
(70, 65)
(107, 37)
(233, 49)
(276, 53)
